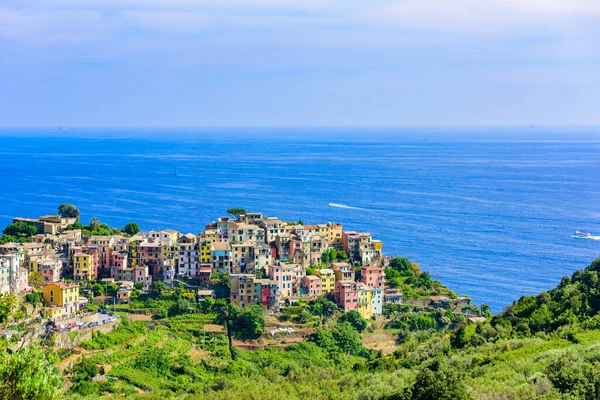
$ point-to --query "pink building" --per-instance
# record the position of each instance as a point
(51, 270)
(373, 276)
(119, 259)
(313, 287)
(346, 295)
(288, 278)
(205, 272)
(150, 255)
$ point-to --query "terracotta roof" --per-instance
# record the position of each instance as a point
(63, 285)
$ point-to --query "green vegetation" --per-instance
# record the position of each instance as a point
(237, 212)
(333, 255)
(354, 319)
(66, 210)
(131, 228)
(95, 228)
(36, 280)
(406, 276)
(27, 374)
(18, 232)
(542, 347)
(20, 229)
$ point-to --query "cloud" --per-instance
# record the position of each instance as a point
(169, 21)
(489, 16)
(49, 26)
(314, 22)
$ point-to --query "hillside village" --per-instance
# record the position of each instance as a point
(247, 259)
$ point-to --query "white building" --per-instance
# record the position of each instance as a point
(13, 278)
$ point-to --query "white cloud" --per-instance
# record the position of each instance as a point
(48, 26)
(169, 21)
(488, 16)
(319, 22)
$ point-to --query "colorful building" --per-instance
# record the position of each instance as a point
(327, 280)
(83, 267)
(343, 271)
(205, 250)
(288, 278)
(61, 299)
(13, 277)
(373, 276)
(312, 286)
(221, 257)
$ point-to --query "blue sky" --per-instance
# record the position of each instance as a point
(299, 62)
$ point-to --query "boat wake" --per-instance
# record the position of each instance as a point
(586, 237)
(344, 206)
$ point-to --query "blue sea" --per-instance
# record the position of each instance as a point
(488, 211)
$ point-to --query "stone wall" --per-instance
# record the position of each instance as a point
(67, 340)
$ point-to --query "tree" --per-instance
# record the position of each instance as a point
(158, 287)
(20, 228)
(439, 383)
(98, 289)
(486, 310)
(323, 307)
(416, 269)
(27, 374)
(67, 210)
(112, 288)
(353, 318)
(329, 256)
(220, 280)
(75, 225)
(343, 338)
(94, 223)
(207, 304)
(224, 313)
(402, 265)
(36, 280)
(181, 306)
(237, 212)
(248, 322)
(8, 302)
(131, 228)
(162, 313)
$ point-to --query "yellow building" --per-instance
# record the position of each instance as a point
(327, 280)
(83, 267)
(169, 255)
(209, 234)
(333, 234)
(205, 251)
(365, 298)
(60, 299)
(133, 249)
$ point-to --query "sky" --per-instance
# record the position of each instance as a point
(299, 62)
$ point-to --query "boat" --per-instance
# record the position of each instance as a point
(175, 172)
(582, 235)
(63, 128)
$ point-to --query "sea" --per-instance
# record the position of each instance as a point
(488, 211)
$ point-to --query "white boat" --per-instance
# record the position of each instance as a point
(582, 235)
